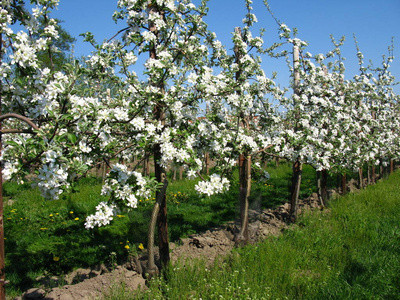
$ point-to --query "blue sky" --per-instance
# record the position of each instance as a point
(374, 22)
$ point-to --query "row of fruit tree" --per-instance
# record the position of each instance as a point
(194, 97)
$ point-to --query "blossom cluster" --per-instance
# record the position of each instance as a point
(215, 185)
(126, 185)
(103, 216)
(53, 177)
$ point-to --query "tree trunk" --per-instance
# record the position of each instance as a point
(344, 184)
(244, 194)
(2, 251)
(368, 175)
(162, 225)
(360, 179)
(244, 163)
(297, 165)
(295, 189)
(145, 165)
(322, 181)
(104, 171)
(160, 172)
(373, 175)
(151, 266)
(207, 163)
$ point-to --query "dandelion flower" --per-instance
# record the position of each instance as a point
(76, 219)
(126, 247)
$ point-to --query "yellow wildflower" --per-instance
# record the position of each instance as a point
(56, 258)
(141, 246)
(127, 247)
(76, 219)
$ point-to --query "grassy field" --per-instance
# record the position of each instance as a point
(349, 251)
(49, 238)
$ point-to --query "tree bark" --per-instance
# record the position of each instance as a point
(322, 182)
(244, 164)
(2, 251)
(295, 190)
(344, 183)
(360, 179)
(160, 172)
(297, 165)
(244, 194)
(373, 175)
(207, 163)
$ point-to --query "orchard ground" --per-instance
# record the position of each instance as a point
(103, 281)
(214, 243)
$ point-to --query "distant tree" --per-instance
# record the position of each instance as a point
(59, 51)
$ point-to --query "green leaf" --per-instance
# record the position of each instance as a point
(72, 138)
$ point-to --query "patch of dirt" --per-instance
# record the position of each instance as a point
(91, 284)
(89, 287)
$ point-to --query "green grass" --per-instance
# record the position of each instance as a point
(349, 251)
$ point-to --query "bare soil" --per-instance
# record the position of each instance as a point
(96, 282)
